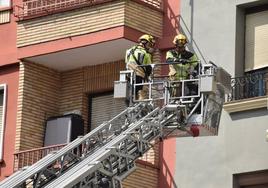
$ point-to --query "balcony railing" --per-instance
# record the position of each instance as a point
(29, 157)
(35, 8)
(249, 86)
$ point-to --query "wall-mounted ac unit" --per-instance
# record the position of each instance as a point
(63, 129)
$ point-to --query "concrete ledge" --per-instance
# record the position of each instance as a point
(246, 104)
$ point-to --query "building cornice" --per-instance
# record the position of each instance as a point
(246, 104)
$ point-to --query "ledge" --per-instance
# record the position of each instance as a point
(5, 8)
(246, 104)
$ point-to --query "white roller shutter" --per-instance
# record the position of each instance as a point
(104, 108)
(2, 117)
(256, 40)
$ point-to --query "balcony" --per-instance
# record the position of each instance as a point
(29, 157)
(35, 8)
(64, 19)
(248, 92)
(249, 86)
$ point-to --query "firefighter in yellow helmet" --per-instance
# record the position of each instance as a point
(187, 66)
(141, 54)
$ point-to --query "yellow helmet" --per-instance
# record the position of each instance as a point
(180, 38)
(148, 38)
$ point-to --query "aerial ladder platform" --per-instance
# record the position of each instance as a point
(105, 156)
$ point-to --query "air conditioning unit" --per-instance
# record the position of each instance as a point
(63, 129)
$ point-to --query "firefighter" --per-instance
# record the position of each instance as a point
(141, 54)
(187, 66)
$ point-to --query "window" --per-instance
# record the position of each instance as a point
(256, 83)
(256, 51)
(4, 3)
(5, 9)
(257, 179)
(256, 40)
(251, 53)
(2, 116)
(103, 108)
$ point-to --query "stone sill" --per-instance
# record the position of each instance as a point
(246, 104)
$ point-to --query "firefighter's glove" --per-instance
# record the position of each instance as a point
(193, 74)
(172, 75)
(149, 79)
(172, 78)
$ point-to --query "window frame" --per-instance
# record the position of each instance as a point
(249, 179)
(4, 88)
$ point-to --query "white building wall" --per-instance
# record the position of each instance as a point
(210, 162)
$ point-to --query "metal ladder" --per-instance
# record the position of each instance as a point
(115, 160)
(56, 163)
(108, 152)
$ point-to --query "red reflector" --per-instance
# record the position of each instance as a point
(194, 130)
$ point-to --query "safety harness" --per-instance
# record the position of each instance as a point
(132, 51)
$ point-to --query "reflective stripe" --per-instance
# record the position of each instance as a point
(140, 57)
(138, 70)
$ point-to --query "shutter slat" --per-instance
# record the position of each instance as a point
(104, 108)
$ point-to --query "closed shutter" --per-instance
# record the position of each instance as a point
(2, 117)
(4, 16)
(104, 108)
(256, 40)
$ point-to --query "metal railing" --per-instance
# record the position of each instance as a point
(29, 157)
(36, 8)
(249, 86)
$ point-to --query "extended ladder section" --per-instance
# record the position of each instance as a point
(56, 163)
(106, 155)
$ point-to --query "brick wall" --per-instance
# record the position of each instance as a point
(38, 99)
(44, 92)
(145, 176)
(71, 95)
(152, 155)
(100, 78)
